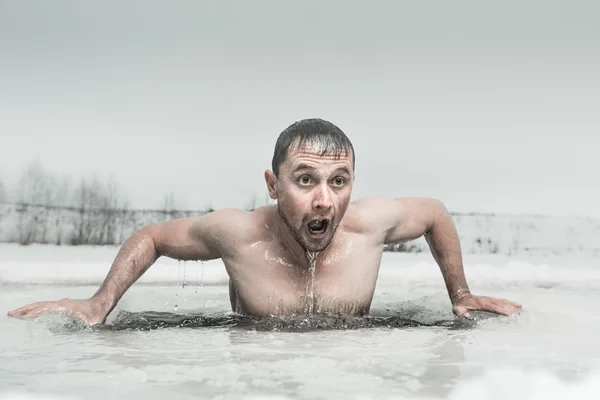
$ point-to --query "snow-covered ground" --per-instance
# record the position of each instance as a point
(550, 351)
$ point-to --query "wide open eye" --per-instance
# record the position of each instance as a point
(304, 180)
(339, 181)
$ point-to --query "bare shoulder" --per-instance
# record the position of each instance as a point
(370, 214)
(213, 235)
(231, 225)
(389, 217)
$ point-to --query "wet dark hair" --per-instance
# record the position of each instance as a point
(323, 135)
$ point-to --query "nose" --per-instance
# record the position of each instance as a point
(322, 198)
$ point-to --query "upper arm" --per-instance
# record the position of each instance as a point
(405, 219)
(196, 238)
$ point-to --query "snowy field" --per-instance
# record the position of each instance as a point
(172, 334)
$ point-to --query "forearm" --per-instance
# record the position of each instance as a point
(136, 255)
(444, 243)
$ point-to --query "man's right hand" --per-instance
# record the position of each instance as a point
(88, 310)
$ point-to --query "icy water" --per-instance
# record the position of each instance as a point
(173, 335)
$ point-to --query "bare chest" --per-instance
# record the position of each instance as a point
(270, 282)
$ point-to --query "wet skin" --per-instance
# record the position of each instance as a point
(268, 252)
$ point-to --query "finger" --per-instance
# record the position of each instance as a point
(461, 311)
(24, 310)
(504, 307)
(511, 305)
(34, 309)
(517, 305)
(508, 307)
(505, 301)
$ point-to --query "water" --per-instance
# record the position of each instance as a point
(411, 347)
(184, 283)
(310, 288)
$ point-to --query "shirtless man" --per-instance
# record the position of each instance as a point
(268, 252)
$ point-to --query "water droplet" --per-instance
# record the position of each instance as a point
(310, 293)
(178, 270)
(183, 285)
(202, 274)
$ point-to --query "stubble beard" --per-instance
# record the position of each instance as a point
(297, 233)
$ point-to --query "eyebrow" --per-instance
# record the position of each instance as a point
(301, 167)
(342, 170)
(338, 170)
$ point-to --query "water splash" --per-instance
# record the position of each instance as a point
(336, 256)
(276, 258)
(150, 320)
(196, 281)
(310, 286)
(202, 273)
(178, 278)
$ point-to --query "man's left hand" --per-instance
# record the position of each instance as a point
(483, 303)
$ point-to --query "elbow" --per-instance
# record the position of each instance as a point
(149, 235)
(438, 213)
(149, 230)
(440, 208)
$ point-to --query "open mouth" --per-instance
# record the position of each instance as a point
(317, 227)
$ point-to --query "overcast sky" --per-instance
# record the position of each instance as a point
(486, 105)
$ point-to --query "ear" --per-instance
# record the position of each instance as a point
(271, 181)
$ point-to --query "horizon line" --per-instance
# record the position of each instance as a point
(212, 209)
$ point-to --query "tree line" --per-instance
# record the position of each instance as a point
(92, 211)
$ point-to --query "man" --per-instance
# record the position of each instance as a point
(312, 251)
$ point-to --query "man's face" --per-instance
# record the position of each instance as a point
(313, 192)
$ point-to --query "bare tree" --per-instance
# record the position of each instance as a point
(79, 202)
(169, 207)
(99, 207)
(126, 218)
(111, 205)
(59, 202)
(34, 190)
(46, 206)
